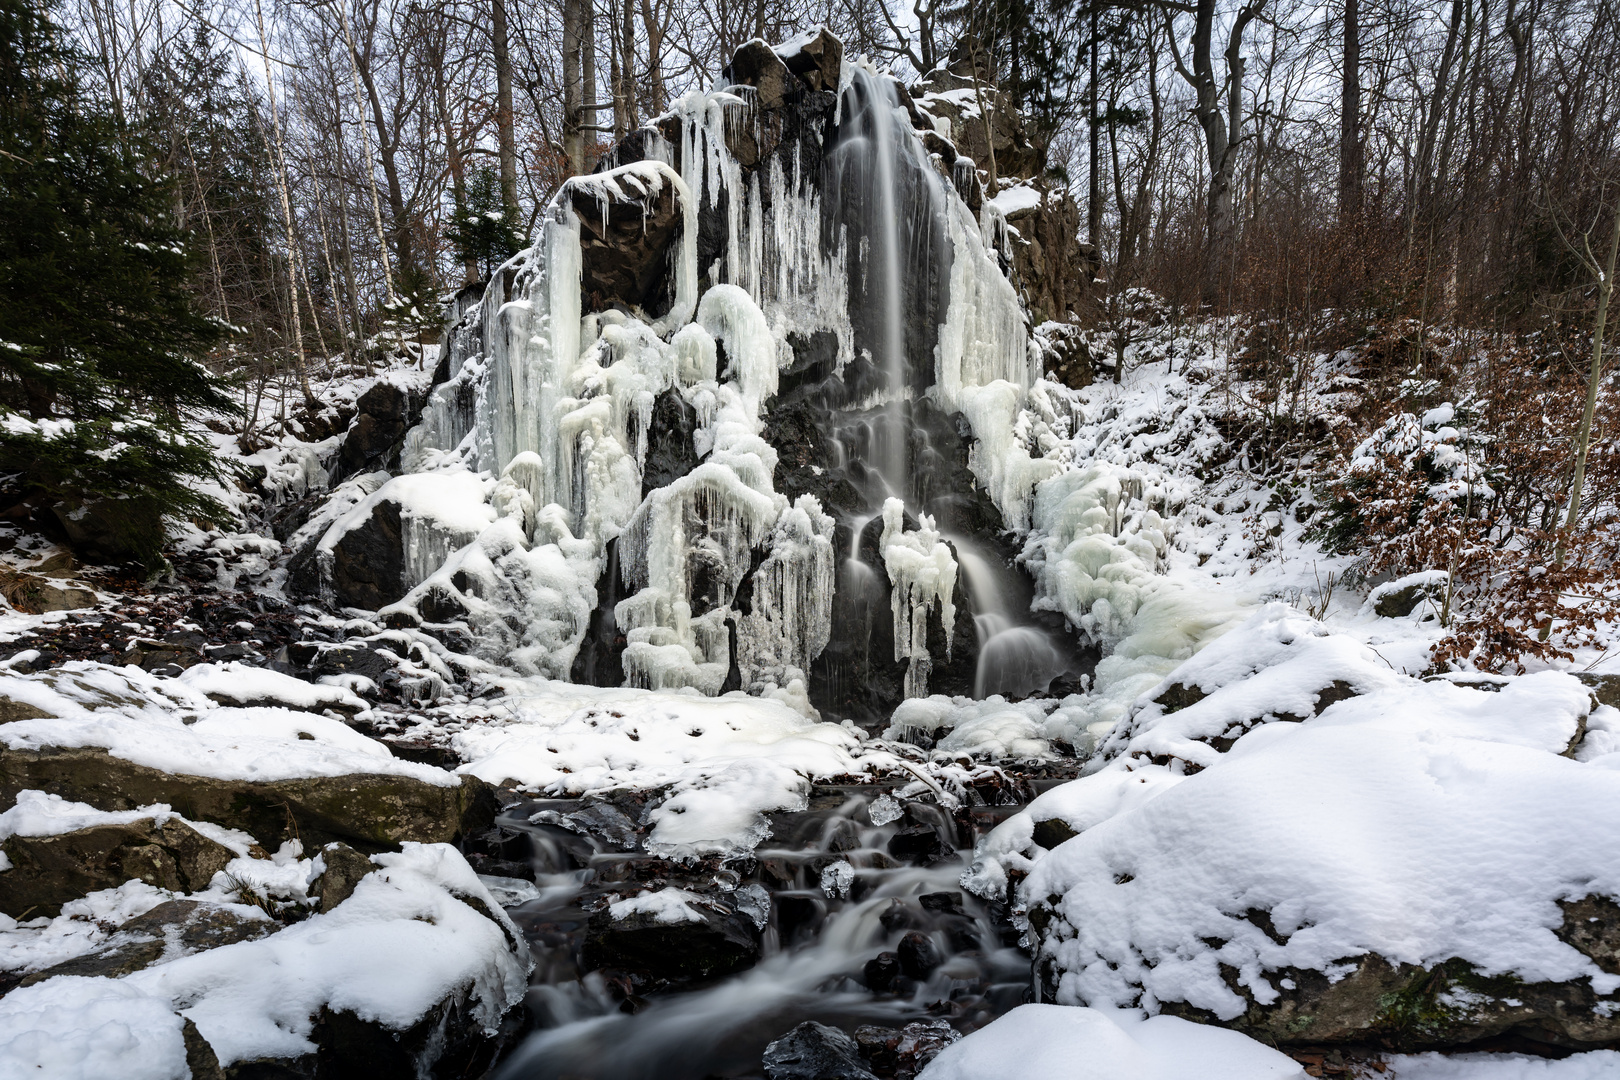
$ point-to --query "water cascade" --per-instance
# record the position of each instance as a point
(766, 330)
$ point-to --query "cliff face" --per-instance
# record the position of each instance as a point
(725, 401)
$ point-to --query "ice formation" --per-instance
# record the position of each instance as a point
(922, 576)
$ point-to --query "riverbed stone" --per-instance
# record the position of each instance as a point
(657, 953)
(815, 1051)
(173, 929)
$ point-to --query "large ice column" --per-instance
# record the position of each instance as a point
(922, 576)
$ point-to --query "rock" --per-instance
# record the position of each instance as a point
(370, 811)
(1406, 1007)
(1066, 355)
(919, 844)
(1606, 688)
(34, 595)
(1052, 832)
(111, 530)
(48, 871)
(1399, 598)
(917, 955)
(173, 929)
(756, 64)
(374, 440)
(658, 953)
(946, 903)
(815, 1051)
(344, 867)
(11, 710)
(368, 562)
(903, 1052)
(881, 972)
(671, 452)
(818, 60)
(625, 233)
(900, 915)
(1592, 925)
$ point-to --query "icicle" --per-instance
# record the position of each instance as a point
(922, 575)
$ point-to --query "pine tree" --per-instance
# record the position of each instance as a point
(100, 380)
(485, 229)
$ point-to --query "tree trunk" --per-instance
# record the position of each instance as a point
(1593, 381)
(1350, 165)
(505, 138)
(1094, 194)
(587, 55)
(573, 88)
(655, 59)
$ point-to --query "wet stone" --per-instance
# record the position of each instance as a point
(918, 955)
(815, 1051)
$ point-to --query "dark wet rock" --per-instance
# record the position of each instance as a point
(1397, 603)
(370, 811)
(903, 1052)
(815, 1051)
(900, 915)
(374, 440)
(368, 561)
(724, 942)
(48, 871)
(1051, 832)
(625, 234)
(671, 452)
(173, 929)
(149, 654)
(945, 903)
(881, 972)
(918, 955)
(799, 916)
(919, 844)
(343, 869)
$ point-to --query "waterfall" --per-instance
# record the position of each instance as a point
(818, 260)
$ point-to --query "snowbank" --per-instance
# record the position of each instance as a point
(1051, 1042)
(404, 942)
(167, 724)
(1420, 822)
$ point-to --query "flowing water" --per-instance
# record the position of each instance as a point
(816, 943)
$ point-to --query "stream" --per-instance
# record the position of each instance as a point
(861, 925)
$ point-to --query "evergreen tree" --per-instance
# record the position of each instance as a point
(100, 379)
(485, 228)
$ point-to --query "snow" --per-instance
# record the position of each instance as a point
(1592, 1065)
(239, 683)
(405, 941)
(38, 813)
(166, 724)
(73, 1028)
(1017, 198)
(725, 760)
(669, 905)
(1051, 1042)
(439, 513)
(1465, 791)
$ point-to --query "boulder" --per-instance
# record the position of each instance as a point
(817, 58)
(903, 1052)
(371, 811)
(815, 1051)
(655, 952)
(48, 871)
(368, 561)
(342, 869)
(374, 440)
(626, 227)
(34, 595)
(756, 64)
(172, 929)
(1409, 1007)
(111, 530)
(917, 955)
